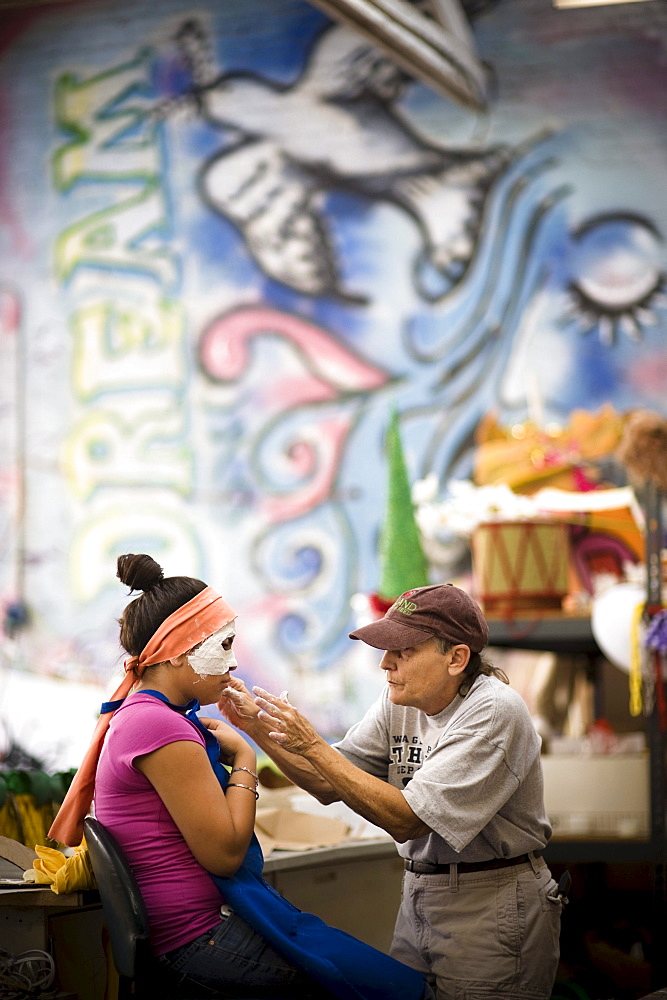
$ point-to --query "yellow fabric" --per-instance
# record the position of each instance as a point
(31, 820)
(48, 862)
(64, 874)
(9, 821)
(635, 680)
(21, 819)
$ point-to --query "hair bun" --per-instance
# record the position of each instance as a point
(139, 572)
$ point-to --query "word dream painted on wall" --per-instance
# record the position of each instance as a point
(126, 321)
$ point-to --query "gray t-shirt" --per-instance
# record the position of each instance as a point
(472, 773)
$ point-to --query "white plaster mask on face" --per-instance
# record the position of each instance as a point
(212, 657)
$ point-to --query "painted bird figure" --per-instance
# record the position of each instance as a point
(337, 127)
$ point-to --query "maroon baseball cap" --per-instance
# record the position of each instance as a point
(442, 610)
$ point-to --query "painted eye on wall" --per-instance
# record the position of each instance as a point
(617, 282)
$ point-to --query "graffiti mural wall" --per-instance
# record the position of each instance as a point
(233, 237)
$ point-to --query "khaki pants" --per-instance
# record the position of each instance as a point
(482, 934)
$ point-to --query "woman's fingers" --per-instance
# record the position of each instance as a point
(237, 700)
(261, 693)
(271, 720)
(288, 727)
(235, 683)
(270, 704)
(272, 707)
(233, 695)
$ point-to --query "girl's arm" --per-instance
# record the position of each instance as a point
(216, 826)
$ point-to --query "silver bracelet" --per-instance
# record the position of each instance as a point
(246, 769)
(233, 784)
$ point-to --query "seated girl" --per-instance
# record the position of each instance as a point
(185, 822)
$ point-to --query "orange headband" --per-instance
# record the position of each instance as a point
(187, 626)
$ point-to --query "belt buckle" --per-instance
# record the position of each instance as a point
(421, 867)
(417, 867)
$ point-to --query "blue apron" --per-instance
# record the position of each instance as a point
(348, 968)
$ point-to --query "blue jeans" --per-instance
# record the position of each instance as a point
(232, 960)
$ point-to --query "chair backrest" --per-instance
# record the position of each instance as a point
(124, 910)
(127, 923)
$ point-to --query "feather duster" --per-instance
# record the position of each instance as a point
(643, 448)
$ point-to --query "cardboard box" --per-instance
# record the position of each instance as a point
(288, 830)
(599, 796)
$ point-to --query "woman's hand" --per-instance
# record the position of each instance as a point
(237, 704)
(231, 742)
(284, 724)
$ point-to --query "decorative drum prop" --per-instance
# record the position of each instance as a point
(521, 565)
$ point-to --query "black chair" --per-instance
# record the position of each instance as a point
(140, 976)
(124, 914)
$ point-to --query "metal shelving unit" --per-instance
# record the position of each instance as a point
(562, 633)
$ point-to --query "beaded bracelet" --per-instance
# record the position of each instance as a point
(233, 784)
(246, 769)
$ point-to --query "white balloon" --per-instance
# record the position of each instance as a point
(611, 621)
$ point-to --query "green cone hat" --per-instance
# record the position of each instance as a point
(402, 560)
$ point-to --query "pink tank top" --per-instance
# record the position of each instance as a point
(180, 897)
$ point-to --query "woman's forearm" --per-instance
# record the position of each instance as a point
(297, 769)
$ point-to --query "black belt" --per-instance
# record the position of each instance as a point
(424, 868)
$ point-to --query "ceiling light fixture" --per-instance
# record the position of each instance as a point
(569, 4)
